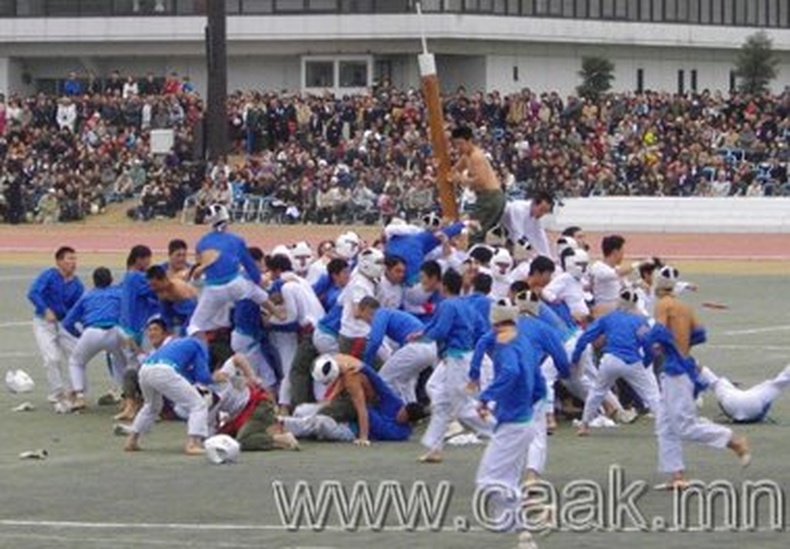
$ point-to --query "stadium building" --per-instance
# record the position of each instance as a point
(348, 45)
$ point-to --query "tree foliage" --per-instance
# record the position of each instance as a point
(756, 64)
(597, 74)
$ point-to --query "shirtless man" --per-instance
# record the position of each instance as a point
(474, 170)
(178, 297)
(677, 329)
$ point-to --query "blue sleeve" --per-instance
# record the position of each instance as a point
(322, 285)
(428, 241)
(552, 346)
(483, 347)
(378, 330)
(249, 263)
(441, 323)
(454, 229)
(592, 333)
(36, 293)
(202, 373)
(507, 369)
(389, 401)
(699, 335)
(78, 293)
(73, 316)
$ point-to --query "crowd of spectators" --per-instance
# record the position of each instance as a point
(324, 159)
(64, 156)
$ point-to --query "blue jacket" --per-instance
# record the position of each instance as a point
(518, 383)
(233, 254)
(326, 291)
(381, 416)
(138, 303)
(451, 327)
(330, 323)
(541, 338)
(412, 249)
(98, 308)
(391, 323)
(626, 337)
(177, 314)
(189, 357)
(675, 363)
(50, 291)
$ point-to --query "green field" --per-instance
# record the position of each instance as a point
(89, 493)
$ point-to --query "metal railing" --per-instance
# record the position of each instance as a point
(750, 13)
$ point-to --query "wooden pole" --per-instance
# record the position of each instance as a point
(433, 102)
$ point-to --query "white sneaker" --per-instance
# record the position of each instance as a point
(526, 541)
(453, 429)
(62, 407)
(121, 429)
(626, 415)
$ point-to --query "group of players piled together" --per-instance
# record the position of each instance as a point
(359, 341)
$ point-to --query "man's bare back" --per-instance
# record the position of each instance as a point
(177, 290)
(679, 318)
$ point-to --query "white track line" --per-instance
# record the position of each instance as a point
(765, 330)
(190, 526)
(16, 324)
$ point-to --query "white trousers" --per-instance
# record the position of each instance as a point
(214, 303)
(449, 400)
(677, 421)
(285, 343)
(501, 469)
(746, 404)
(583, 377)
(320, 427)
(92, 341)
(325, 343)
(55, 345)
(642, 379)
(539, 447)
(404, 367)
(161, 380)
(251, 349)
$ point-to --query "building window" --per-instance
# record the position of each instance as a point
(353, 74)
(645, 9)
(289, 6)
(693, 11)
(607, 9)
(453, 5)
(670, 10)
(581, 8)
(257, 6)
(658, 10)
(514, 7)
(681, 82)
(621, 9)
(595, 9)
(694, 80)
(728, 17)
(784, 14)
(640, 80)
(319, 74)
(733, 82)
(515, 73)
(705, 13)
(322, 5)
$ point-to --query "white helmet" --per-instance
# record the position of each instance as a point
(576, 263)
(18, 381)
(301, 257)
(282, 249)
(503, 310)
(371, 263)
(667, 278)
(628, 298)
(565, 242)
(497, 236)
(222, 449)
(528, 302)
(502, 262)
(217, 215)
(347, 245)
(326, 369)
(432, 221)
